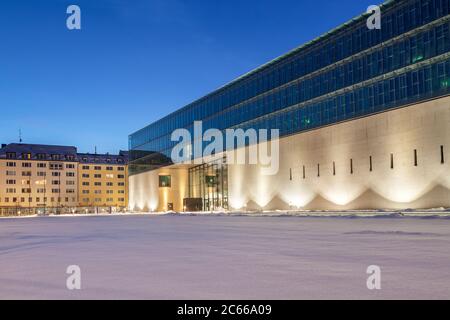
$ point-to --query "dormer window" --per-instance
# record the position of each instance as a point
(55, 157)
(10, 155)
(41, 156)
(26, 156)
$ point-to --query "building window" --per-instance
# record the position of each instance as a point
(85, 167)
(41, 165)
(120, 176)
(70, 166)
(97, 176)
(41, 156)
(85, 175)
(56, 166)
(26, 165)
(10, 155)
(109, 168)
(165, 181)
(211, 181)
(10, 164)
(97, 168)
(26, 156)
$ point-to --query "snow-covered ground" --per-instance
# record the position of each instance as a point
(224, 257)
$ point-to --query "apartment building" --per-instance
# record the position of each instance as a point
(103, 183)
(44, 179)
(38, 179)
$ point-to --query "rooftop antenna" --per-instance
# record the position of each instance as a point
(20, 135)
(95, 149)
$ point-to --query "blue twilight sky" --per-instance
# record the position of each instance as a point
(135, 61)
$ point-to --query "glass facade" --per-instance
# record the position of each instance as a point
(348, 73)
(209, 182)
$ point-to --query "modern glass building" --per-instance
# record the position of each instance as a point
(346, 75)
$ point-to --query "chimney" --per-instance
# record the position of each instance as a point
(4, 145)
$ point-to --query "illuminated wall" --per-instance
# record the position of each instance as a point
(337, 161)
(146, 194)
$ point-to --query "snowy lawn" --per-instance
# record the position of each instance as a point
(205, 257)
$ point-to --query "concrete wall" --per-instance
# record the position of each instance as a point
(146, 195)
(423, 127)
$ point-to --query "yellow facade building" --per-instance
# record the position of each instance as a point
(103, 182)
(38, 179)
(42, 179)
